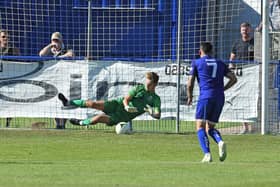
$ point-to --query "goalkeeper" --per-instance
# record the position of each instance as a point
(140, 99)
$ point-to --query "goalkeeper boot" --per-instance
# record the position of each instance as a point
(76, 122)
(66, 103)
(222, 151)
(207, 158)
(63, 99)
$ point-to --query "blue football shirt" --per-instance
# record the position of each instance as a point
(210, 74)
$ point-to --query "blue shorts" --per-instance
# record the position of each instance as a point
(209, 109)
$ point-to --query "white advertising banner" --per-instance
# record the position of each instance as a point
(30, 89)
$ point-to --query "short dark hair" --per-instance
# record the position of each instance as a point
(245, 24)
(206, 47)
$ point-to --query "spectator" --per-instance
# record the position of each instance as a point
(274, 27)
(7, 50)
(243, 50)
(57, 49)
(274, 16)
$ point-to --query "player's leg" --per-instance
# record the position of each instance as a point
(203, 140)
(213, 118)
(100, 118)
(216, 135)
(213, 132)
(201, 113)
(99, 105)
(114, 113)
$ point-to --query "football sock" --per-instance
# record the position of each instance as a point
(86, 121)
(215, 134)
(203, 140)
(78, 102)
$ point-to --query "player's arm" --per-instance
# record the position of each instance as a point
(232, 56)
(156, 115)
(190, 85)
(232, 80)
(154, 111)
(128, 98)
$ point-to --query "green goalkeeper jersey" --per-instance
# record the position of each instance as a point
(141, 97)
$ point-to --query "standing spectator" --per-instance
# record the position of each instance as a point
(210, 74)
(243, 50)
(57, 49)
(7, 50)
(274, 27)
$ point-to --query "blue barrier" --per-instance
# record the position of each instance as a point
(154, 35)
(37, 58)
(129, 59)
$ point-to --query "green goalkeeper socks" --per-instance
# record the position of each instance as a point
(78, 102)
(86, 121)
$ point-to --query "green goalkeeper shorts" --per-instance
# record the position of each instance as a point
(117, 113)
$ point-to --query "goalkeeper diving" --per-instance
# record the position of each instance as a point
(140, 99)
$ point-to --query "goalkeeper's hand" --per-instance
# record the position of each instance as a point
(130, 109)
(149, 109)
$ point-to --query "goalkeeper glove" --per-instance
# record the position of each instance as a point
(130, 109)
(149, 109)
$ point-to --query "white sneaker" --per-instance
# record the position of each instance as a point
(207, 158)
(222, 151)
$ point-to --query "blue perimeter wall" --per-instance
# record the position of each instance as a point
(149, 34)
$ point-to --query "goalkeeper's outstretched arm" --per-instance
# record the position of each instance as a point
(126, 100)
(156, 115)
(128, 108)
(153, 111)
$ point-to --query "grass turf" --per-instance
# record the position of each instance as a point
(163, 126)
(87, 158)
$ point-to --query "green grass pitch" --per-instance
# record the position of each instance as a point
(76, 158)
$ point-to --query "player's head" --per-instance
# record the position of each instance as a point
(56, 38)
(151, 80)
(4, 38)
(205, 49)
(245, 29)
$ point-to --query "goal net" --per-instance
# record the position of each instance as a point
(115, 42)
